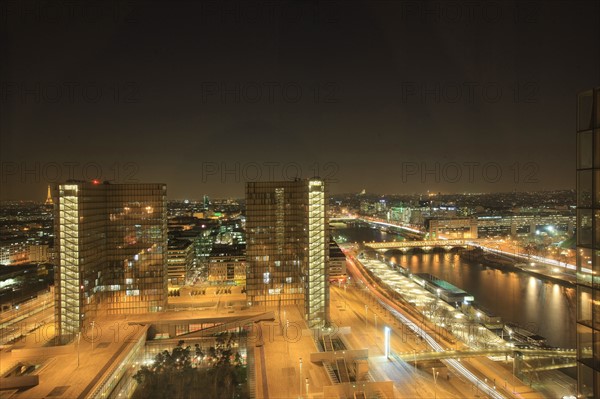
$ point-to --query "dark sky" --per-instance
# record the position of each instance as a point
(389, 96)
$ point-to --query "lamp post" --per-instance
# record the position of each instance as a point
(301, 377)
(306, 380)
(386, 334)
(93, 323)
(78, 341)
(514, 359)
(435, 375)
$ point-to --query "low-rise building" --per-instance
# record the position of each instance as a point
(39, 253)
(227, 264)
(337, 262)
(14, 251)
(180, 261)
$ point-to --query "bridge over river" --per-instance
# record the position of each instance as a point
(425, 245)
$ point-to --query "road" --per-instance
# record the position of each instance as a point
(348, 309)
(23, 325)
(480, 372)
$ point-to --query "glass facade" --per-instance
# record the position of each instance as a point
(287, 246)
(112, 251)
(588, 244)
(317, 298)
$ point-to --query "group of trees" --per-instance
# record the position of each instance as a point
(187, 372)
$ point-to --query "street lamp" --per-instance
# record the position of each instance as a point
(435, 375)
(306, 380)
(514, 359)
(301, 377)
(93, 323)
(78, 341)
(386, 334)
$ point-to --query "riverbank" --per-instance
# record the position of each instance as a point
(543, 272)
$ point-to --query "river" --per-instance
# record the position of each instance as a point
(546, 308)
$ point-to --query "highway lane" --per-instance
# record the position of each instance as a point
(41, 322)
(348, 309)
(420, 328)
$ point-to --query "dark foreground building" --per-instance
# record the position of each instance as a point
(588, 243)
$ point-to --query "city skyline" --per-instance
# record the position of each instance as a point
(425, 194)
(307, 199)
(383, 251)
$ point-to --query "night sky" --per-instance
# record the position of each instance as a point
(203, 96)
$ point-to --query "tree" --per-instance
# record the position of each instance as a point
(176, 374)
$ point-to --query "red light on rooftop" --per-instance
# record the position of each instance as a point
(96, 181)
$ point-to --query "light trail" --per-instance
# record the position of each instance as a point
(438, 348)
(535, 257)
(549, 261)
(394, 225)
(433, 343)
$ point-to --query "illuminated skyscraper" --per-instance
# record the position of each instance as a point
(588, 244)
(288, 245)
(112, 246)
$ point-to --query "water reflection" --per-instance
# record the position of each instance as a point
(543, 307)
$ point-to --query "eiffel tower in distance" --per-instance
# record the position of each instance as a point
(49, 198)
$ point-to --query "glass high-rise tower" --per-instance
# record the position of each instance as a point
(112, 247)
(288, 246)
(588, 243)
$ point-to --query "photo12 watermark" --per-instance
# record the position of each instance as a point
(467, 12)
(69, 92)
(469, 92)
(68, 12)
(469, 172)
(228, 12)
(56, 172)
(240, 172)
(269, 92)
